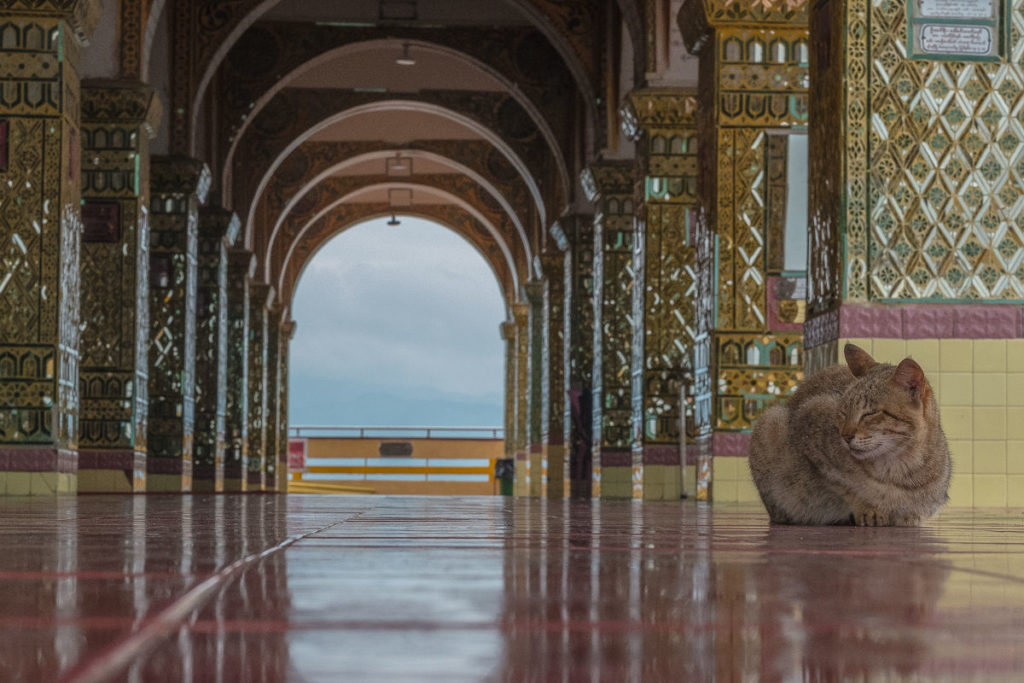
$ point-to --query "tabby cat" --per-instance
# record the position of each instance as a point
(860, 444)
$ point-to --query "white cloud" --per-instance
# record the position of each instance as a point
(408, 309)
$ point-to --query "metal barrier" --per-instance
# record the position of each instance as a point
(394, 460)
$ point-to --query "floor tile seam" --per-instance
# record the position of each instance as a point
(115, 659)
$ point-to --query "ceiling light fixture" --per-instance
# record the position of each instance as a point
(405, 59)
(394, 220)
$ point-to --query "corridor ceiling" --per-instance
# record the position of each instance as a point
(315, 126)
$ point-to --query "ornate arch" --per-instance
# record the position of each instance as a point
(342, 214)
(467, 180)
(570, 26)
(281, 132)
(271, 56)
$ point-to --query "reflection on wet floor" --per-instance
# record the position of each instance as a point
(268, 588)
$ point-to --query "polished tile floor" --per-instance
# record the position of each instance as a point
(322, 588)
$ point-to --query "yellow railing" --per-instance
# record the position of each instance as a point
(392, 460)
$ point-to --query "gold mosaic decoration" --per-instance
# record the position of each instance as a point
(664, 258)
(754, 371)
(610, 186)
(259, 296)
(40, 227)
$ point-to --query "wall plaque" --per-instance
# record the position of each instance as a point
(956, 29)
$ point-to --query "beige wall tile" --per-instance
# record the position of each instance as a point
(955, 355)
(962, 453)
(1015, 389)
(1015, 457)
(725, 491)
(989, 423)
(19, 483)
(889, 350)
(990, 355)
(726, 468)
(1015, 423)
(990, 457)
(1015, 490)
(955, 388)
(1015, 355)
(989, 389)
(961, 490)
(990, 490)
(926, 353)
(957, 422)
(746, 492)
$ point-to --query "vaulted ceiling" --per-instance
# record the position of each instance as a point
(319, 114)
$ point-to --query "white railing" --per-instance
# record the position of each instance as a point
(335, 432)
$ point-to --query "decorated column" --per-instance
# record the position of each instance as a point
(260, 295)
(520, 315)
(917, 223)
(218, 230)
(507, 467)
(179, 186)
(753, 185)
(578, 351)
(609, 185)
(552, 411)
(40, 228)
(665, 293)
(283, 344)
(272, 395)
(241, 265)
(117, 123)
(535, 324)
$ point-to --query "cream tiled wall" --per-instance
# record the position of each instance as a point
(980, 388)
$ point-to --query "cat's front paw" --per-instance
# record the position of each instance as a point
(871, 518)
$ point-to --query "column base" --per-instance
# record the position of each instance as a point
(657, 474)
(38, 471)
(168, 475)
(207, 479)
(111, 471)
(538, 470)
(522, 487)
(613, 474)
(554, 464)
(234, 485)
(255, 481)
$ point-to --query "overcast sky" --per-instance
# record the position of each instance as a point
(397, 326)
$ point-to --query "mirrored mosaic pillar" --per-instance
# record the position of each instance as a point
(917, 224)
(535, 324)
(260, 295)
(272, 395)
(40, 228)
(753, 187)
(578, 352)
(552, 411)
(609, 185)
(241, 266)
(508, 335)
(117, 123)
(665, 326)
(520, 316)
(218, 230)
(179, 186)
(284, 342)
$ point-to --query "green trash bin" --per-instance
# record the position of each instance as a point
(505, 474)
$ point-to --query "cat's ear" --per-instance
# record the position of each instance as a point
(910, 377)
(858, 359)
